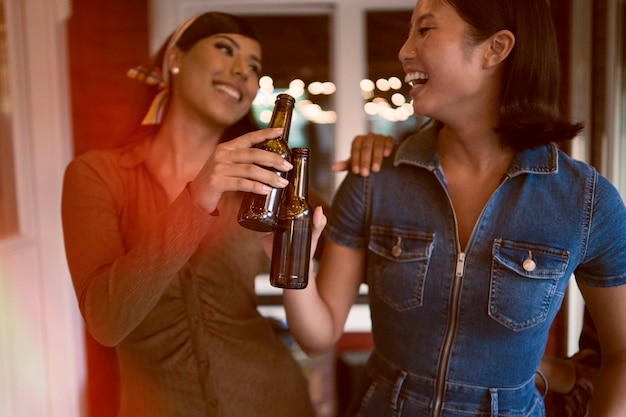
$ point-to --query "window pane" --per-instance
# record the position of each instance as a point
(388, 104)
(296, 59)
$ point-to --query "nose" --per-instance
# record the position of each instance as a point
(240, 68)
(407, 51)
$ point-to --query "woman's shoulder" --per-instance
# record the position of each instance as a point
(128, 155)
(111, 159)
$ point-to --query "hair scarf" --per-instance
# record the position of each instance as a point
(160, 77)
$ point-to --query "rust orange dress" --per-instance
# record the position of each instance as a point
(171, 287)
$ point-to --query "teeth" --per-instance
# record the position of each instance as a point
(415, 78)
(228, 90)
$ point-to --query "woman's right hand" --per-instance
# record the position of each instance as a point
(237, 166)
(367, 153)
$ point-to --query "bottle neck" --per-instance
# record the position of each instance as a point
(301, 177)
(281, 117)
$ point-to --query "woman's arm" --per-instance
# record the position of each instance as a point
(316, 315)
(117, 286)
(608, 310)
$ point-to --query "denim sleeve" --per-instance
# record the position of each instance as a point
(604, 263)
(346, 222)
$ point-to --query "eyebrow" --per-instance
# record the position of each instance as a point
(423, 17)
(236, 44)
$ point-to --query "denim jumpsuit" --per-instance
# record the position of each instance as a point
(461, 333)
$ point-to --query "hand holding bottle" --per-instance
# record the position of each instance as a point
(259, 212)
(237, 166)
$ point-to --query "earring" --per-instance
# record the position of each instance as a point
(175, 70)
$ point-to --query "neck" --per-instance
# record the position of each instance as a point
(180, 151)
(479, 148)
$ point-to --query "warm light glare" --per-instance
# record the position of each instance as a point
(398, 99)
(265, 116)
(328, 88)
(370, 108)
(367, 95)
(266, 82)
(367, 85)
(395, 83)
(396, 109)
(296, 88)
(316, 88)
(382, 84)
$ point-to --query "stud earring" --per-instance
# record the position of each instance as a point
(175, 70)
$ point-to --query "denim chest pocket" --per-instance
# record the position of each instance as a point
(399, 265)
(524, 280)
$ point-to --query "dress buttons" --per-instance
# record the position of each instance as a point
(529, 265)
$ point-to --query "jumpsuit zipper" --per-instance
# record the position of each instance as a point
(440, 383)
(454, 307)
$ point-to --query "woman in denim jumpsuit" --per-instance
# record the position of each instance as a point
(469, 234)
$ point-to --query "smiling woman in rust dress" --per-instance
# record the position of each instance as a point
(162, 271)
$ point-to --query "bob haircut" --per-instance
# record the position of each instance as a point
(529, 101)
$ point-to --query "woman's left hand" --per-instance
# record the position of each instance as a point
(366, 154)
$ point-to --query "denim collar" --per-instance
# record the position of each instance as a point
(420, 149)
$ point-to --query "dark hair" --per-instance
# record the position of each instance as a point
(203, 26)
(211, 23)
(529, 101)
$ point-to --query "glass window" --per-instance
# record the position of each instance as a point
(296, 60)
(388, 105)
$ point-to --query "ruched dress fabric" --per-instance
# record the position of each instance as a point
(172, 288)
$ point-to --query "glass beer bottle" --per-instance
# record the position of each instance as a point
(260, 212)
(292, 237)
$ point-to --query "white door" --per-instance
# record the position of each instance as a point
(41, 359)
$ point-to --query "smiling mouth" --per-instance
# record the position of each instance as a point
(416, 78)
(236, 95)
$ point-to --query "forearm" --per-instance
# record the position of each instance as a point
(310, 320)
(560, 374)
(115, 288)
(317, 314)
(608, 398)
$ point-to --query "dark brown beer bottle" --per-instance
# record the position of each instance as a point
(292, 237)
(260, 212)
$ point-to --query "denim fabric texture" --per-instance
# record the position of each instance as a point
(462, 333)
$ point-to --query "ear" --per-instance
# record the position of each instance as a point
(498, 47)
(173, 57)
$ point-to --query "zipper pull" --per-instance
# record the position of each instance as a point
(460, 264)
